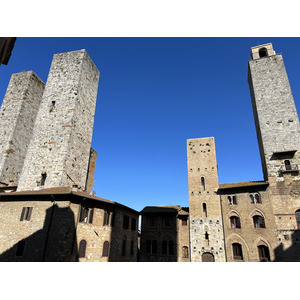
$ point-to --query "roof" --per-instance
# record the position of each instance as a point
(65, 190)
(223, 186)
(161, 209)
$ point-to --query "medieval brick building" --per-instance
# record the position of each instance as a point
(48, 212)
(251, 221)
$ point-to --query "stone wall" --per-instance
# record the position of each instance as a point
(17, 117)
(206, 230)
(61, 141)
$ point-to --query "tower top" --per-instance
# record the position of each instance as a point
(262, 51)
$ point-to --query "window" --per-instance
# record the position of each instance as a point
(237, 251)
(107, 217)
(171, 248)
(164, 247)
(151, 221)
(263, 52)
(185, 252)
(154, 247)
(20, 248)
(167, 221)
(203, 182)
(263, 253)
(131, 248)
(26, 213)
(43, 179)
(255, 198)
(148, 246)
(297, 214)
(235, 222)
(86, 215)
(259, 222)
(184, 221)
(105, 248)
(124, 247)
(82, 248)
(133, 224)
(125, 222)
(204, 210)
(287, 164)
(206, 235)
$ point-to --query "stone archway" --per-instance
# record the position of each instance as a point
(208, 257)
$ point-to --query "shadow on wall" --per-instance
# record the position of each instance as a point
(54, 242)
(291, 254)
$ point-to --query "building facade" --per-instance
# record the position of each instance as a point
(258, 221)
(164, 234)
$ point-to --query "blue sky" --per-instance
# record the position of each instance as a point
(154, 93)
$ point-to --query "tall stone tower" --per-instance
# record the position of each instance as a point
(59, 151)
(17, 117)
(276, 118)
(206, 230)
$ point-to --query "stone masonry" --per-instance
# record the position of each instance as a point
(59, 151)
(18, 114)
(206, 229)
(276, 118)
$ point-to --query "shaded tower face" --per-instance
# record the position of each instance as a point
(59, 151)
(206, 231)
(276, 118)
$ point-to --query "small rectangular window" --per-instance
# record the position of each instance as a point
(86, 215)
(133, 224)
(26, 213)
(125, 222)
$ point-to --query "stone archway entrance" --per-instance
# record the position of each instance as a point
(208, 257)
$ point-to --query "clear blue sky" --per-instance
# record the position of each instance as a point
(154, 93)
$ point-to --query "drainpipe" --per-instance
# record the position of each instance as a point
(223, 229)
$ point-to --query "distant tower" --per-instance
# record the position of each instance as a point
(276, 118)
(59, 152)
(17, 116)
(206, 230)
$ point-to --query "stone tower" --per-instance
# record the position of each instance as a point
(17, 117)
(206, 230)
(276, 118)
(59, 151)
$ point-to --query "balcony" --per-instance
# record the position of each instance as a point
(289, 169)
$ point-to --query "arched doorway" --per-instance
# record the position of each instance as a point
(208, 257)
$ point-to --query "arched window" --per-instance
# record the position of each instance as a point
(263, 253)
(298, 218)
(82, 248)
(171, 248)
(237, 251)
(234, 200)
(203, 182)
(229, 200)
(259, 221)
(105, 248)
(263, 52)
(154, 247)
(255, 198)
(185, 252)
(235, 222)
(148, 246)
(204, 210)
(164, 247)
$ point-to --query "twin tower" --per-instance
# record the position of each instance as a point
(46, 129)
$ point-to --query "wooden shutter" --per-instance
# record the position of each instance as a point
(91, 211)
(23, 213)
(29, 211)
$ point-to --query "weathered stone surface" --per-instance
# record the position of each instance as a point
(17, 117)
(61, 141)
